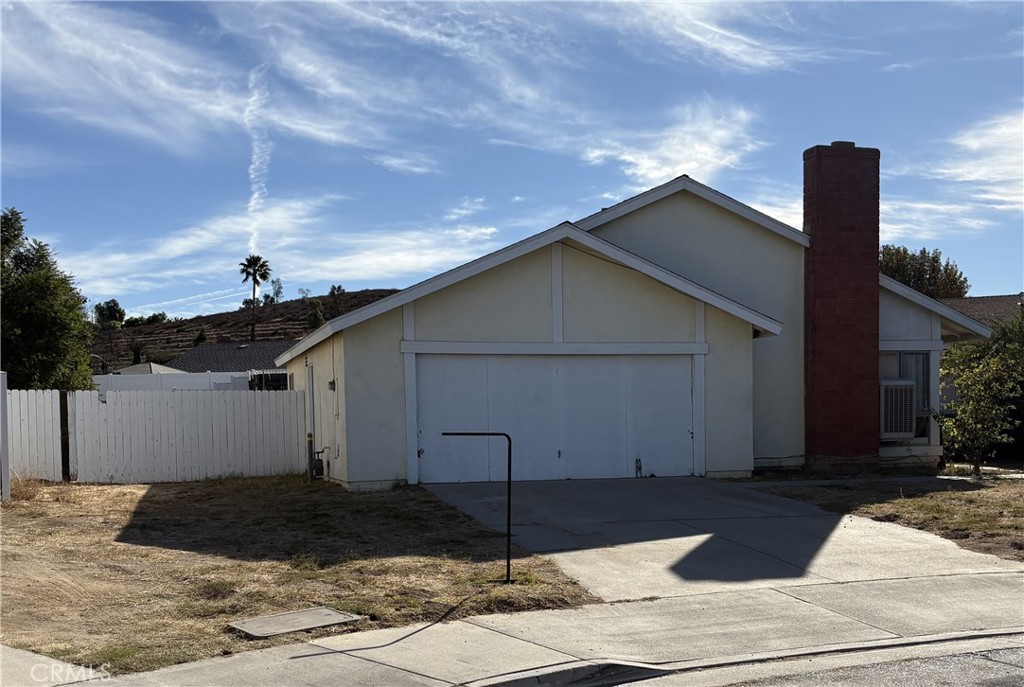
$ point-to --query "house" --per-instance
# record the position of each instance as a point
(991, 310)
(252, 361)
(145, 369)
(679, 332)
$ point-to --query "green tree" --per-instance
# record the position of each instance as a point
(984, 382)
(276, 293)
(315, 314)
(44, 330)
(109, 315)
(923, 271)
(256, 269)
(335, 305)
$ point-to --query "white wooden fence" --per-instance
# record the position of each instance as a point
(158, 436)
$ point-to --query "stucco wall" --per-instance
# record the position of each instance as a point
(603, 301)
(327, 359)
(901, 320)
(751, 265)
(729, 394)
(375, 402)
(511, 302)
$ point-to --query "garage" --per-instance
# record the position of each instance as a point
(570, 417)
(599, 364)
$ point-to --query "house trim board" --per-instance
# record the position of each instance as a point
(557, 318)
(545, 348)
(697, 402)
(411, 410)
(910, 345)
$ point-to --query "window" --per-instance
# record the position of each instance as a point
(916, 367)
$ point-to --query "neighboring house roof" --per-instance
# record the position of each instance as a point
(238, 356)
(956, 326)
(146, 369)
(685, 183)
(566, 231)
(988, 309)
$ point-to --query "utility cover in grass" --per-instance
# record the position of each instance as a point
(292, 621)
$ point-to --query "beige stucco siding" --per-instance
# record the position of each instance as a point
(606, 302)
(602, 302)
(901, 320)
(511, 302)
(327, 359)
(729, 394)
(751, 265)
(375, 402)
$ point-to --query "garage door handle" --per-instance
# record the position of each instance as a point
(559, 453)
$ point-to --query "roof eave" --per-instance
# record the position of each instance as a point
(971, 328)
(566, 230)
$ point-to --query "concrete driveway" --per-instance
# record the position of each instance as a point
(666, 537)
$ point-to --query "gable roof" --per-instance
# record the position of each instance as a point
(988, 309)
(237, 356)
(145, 369)
(959, 326)
(685, 183)
(565, 232)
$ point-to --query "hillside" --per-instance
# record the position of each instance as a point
(161, 342)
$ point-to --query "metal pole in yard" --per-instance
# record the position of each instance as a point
(309, 457)
(508, 495)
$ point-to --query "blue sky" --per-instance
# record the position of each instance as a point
(154, 144)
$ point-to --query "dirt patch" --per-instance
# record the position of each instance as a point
(138, 577)
(984, 515)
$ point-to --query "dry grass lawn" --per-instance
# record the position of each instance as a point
(984, 515)
(138, 577)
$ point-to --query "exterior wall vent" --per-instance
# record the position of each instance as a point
(897, 409)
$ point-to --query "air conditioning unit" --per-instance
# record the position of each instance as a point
(897, 409)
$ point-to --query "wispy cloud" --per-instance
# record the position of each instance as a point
(737, 36)
(783, 202)
(61, 59)
(465, 208)
(906, 218)
(316, 247)
(191, 304)
(508, 73)
(204, 254)
(406, 164)
(259, 162)
(988, 159)
(703, 140)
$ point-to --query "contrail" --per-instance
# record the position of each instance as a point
(259, 163)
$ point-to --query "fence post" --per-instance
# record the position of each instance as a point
(65, 439)
(5, 457)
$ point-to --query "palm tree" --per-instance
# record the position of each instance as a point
(257, 269)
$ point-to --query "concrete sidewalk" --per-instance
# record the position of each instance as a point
(664, 637)
(18, 668)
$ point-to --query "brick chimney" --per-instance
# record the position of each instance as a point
(841, 307)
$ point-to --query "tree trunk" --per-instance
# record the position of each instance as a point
(252, 306)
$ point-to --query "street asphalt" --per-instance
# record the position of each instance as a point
(709, 583)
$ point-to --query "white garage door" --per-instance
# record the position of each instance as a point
(570, 417)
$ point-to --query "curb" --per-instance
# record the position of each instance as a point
(608, 672)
